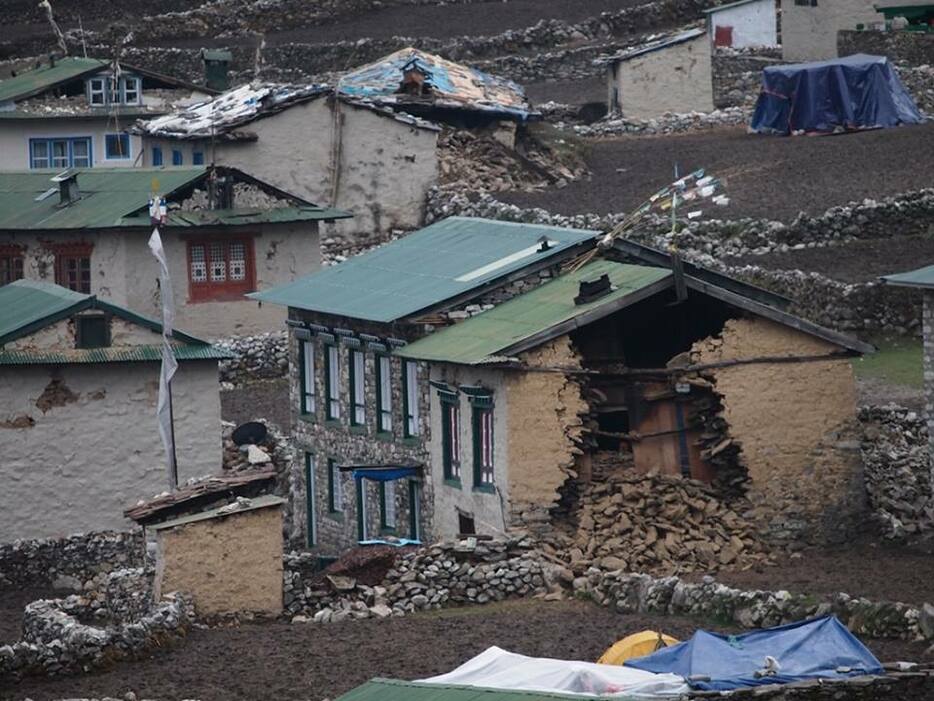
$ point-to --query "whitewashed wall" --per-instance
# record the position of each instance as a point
(753, 23)
(16, 133)
(809, 33)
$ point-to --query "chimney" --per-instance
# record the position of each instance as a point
(591, 290)
(216, 63)
(67, 187)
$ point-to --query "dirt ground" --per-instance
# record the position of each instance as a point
(569, 92)
(763, 173)
(12, 603)
(263, 399)
(307, 661)
(855, 261)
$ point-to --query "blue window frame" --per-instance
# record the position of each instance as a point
(156, 156)
(197, 158)
(70, 152)
(176, 157)
(117, 146)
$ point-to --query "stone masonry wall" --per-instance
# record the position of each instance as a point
(927, 331)
(914, 47)
(258, 357)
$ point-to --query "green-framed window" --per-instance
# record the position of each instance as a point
(332, 381)
(357, 372)
(335, 490)
(410, 398)
(306, 367)
(482, 423)
(450, 435)
(383, 394)
(361, 510)
(387, 506)
(414, 511)
(311, 534)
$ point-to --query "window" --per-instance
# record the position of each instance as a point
(335, 490)
(332, 382)
(306, 351)
(156, 156)
(410, 398)
(450, 436)
(806, 3)
(414, 511)
(60, 153)
(220, 269)
(357, 388)
(11, 264)
(361, 510)
(97, 97)
(387, 505)
(197, 158)
(482, 441)
(383, 394)
(73, 266)
(117, 146)
(131, 93)
(92, 331)
(176, 157)
(310, 526)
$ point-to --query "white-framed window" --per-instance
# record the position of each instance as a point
(307, 367)
(131, 91)
(97, 91)
(384, 393)
(332, 369)
(357, 388)
(410, 395)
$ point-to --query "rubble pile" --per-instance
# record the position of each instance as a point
(265, 356)
(667, 123)
(897, 464)
(440, 575)
(657, 523)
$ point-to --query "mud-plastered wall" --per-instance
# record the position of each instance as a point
(545, 411)
(228, 564)
(796, 425)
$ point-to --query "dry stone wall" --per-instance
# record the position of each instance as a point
(261, 357)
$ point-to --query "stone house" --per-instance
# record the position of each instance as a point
(226, 234)
(362, 413)
(78, 434)
(372, 161)
(743, 24)
(75, 113)
(513, 393)
(673, 74)
(810, 27)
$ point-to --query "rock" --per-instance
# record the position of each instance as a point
(64, 582)
(381, 611)
(299, 619)
(341, 583)
(926, 621)
(257, 456)
(612, 563)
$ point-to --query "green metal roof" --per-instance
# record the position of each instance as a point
(107, 196)
(432, 265)
(542, 313)
(397, 690)
(27, 306)
(38, 80)
(922, 277)
(243, 216)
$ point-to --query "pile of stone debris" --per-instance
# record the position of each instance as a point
(659, 524)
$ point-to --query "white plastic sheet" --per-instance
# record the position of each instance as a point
(498, 669)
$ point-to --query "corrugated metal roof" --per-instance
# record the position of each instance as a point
(423, 269)
(450, 85)
(25, 303)
(480, 338)
(922, 277)
(124, 354)
(107, 196)
(229, 217)
(727, 6)
(397, 690)
(652, 46)
(40, 79)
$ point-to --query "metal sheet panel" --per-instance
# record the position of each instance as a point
(128, 354)
(922, 277)
(437, 263)
(27, 302)
(394, 690)
(39, 79)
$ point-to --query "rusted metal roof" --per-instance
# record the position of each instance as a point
(444, 84)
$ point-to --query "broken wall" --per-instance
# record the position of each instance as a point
(228, 564)
(79, 442)
(795, 422)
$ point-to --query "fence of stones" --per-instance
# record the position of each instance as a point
(261, 357)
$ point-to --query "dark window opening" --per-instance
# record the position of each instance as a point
(11, 265)
(117, 146)
(465, 524)
(92, 331)
(156, 156)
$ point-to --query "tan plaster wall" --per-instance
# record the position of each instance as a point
(796, 426)
(809, 33)
(675, 79)
(544, 420)
(227, 564)
(61, 336)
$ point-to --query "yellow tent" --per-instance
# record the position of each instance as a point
(636, 645)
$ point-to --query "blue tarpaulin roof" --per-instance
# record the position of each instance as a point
(821, 647)
(855, 92)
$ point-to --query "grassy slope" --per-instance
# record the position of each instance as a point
(898, 362)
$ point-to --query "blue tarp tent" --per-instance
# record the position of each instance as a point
(821, 647)
(856, 92)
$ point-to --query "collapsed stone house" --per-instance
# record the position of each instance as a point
(226, 234)
(76, 112)
(469, 366)
(672, 74)
(79, 377)
(368, 145)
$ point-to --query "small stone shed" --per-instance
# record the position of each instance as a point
(743, 24)
(673, 74)
(228, 558)
(79, 378)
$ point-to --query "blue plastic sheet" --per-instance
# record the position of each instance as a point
(384, 475)
(820, 647)
(855, 92)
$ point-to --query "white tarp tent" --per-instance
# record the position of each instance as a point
(498, 669)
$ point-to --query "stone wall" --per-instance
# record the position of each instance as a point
(915, 48)
(927, 332)
(69, 561)
(262, 357)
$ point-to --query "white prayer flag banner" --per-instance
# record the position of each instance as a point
(169, 363)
